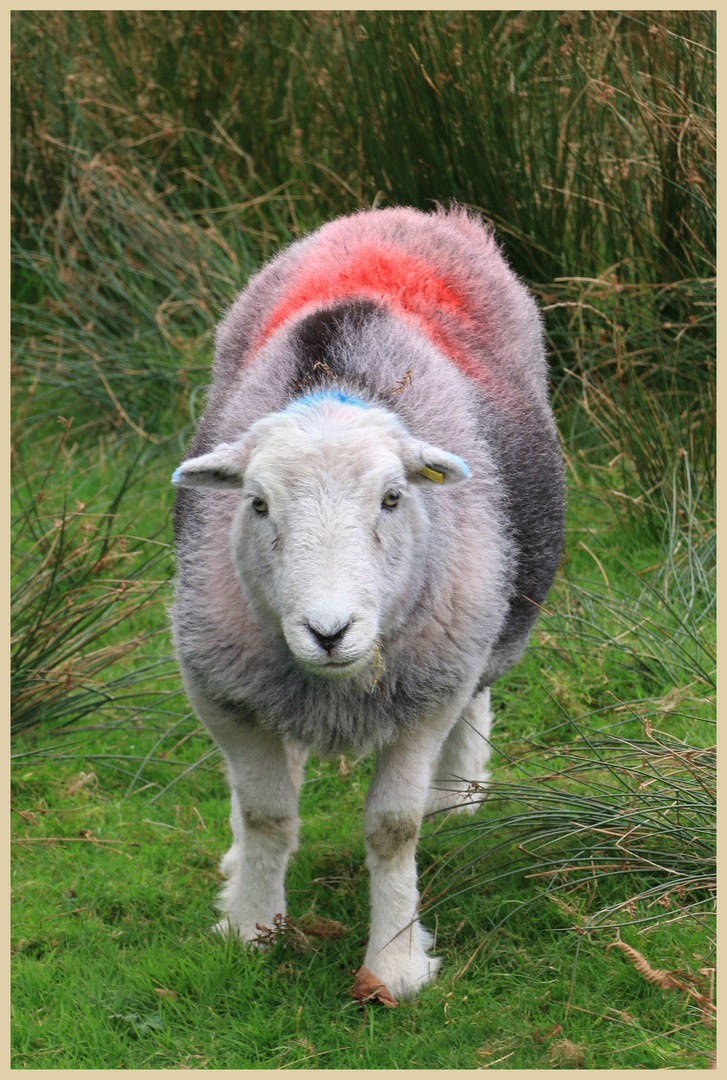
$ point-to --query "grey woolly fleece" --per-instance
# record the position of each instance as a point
(419, 314)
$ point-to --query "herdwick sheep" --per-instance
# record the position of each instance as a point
(369, 517)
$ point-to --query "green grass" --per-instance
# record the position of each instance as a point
(154, 168)
(128, 915)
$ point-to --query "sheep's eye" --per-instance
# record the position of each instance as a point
(390, 500)
(260, 506)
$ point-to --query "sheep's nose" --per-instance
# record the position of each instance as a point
(327, 639)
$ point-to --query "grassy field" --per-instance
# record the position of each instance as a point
(158, 159)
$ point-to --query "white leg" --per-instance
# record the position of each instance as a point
(265, 778)
(394, 805)
(462, 760)
(231, 859)
(296, 759)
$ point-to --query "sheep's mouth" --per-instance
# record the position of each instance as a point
(338, 667)
(333, 668)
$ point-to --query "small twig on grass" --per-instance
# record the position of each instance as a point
(461, 972)
(69, 840)
(321, 1053)
(165, 825)
(620, 1019)
(182, 740)
(59, 914)
(152, 783)
(491, 1063)
(48, 840)
(658, 1035)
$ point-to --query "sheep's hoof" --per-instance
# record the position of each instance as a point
(406, 977)
(225, 928)
(405, 968)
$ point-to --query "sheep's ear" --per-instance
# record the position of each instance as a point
(224, 467)
(427, 464)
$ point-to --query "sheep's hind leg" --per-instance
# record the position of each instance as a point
(462, 760)
(231, 859)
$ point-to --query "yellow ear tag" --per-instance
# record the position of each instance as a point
(432, 474)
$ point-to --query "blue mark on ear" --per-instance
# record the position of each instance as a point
(462, 464)
(317, 397)
(177, 475)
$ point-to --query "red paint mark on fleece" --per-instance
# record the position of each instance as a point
(410, 286)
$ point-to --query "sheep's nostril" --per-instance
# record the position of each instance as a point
(328, 639)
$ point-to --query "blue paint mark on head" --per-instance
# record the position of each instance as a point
(318, 397)
(177, 475)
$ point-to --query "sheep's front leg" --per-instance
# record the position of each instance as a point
(295, 759)
(265, 780)
(394, 806)
(265, 776)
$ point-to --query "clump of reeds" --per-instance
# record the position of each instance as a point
(81, 580)
(127, 293)
(583, 132)
(602, 805)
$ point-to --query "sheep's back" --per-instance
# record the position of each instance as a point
(442, 271)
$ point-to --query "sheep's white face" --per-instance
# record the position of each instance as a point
(327, 541)
(331, 533)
